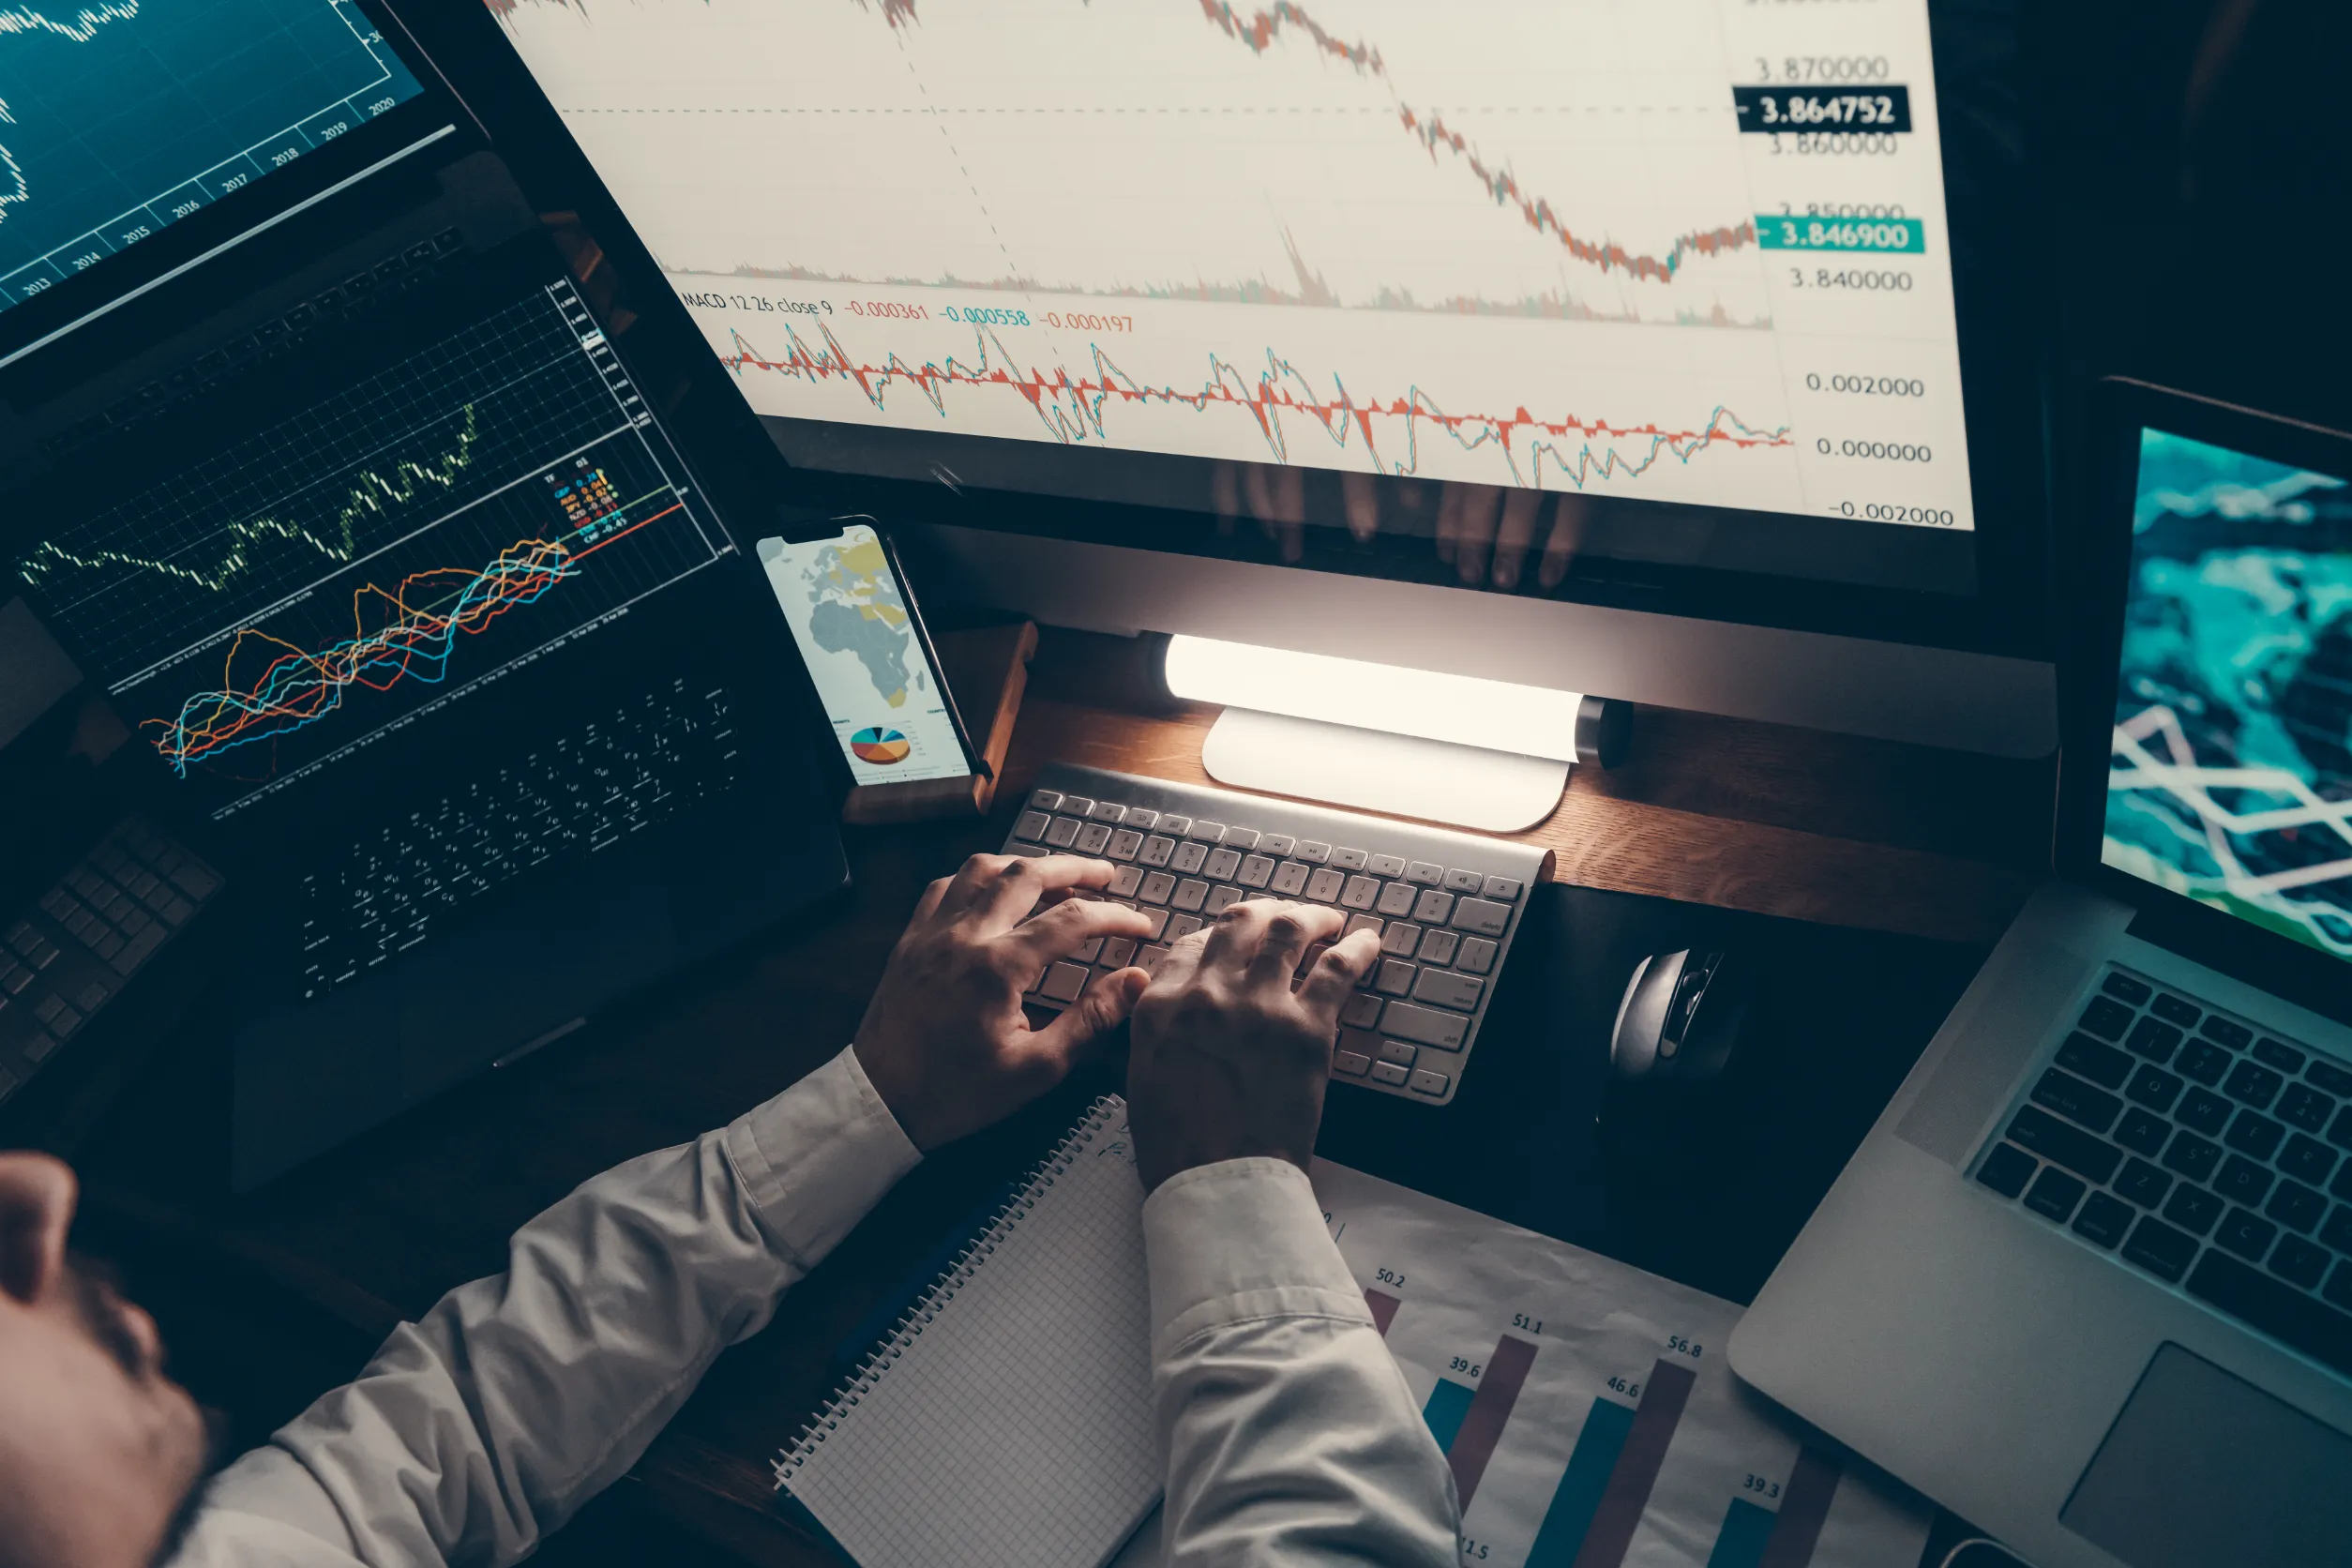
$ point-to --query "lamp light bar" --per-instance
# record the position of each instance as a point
(1464, 710)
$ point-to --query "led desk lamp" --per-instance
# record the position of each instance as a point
(1385, 738)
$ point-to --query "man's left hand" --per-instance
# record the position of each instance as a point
(945, 1041)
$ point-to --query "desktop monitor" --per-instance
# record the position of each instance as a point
(1692, 335)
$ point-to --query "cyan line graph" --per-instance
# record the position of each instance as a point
(1071, 409)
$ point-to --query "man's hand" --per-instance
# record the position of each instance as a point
(1227, 1060)
(944, 1041)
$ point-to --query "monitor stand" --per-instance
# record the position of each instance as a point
(1403, 775)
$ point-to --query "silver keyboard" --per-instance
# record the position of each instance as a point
(1445, 905)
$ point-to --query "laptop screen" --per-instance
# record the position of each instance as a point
(2231, 776)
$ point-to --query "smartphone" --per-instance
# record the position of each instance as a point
(869, 657)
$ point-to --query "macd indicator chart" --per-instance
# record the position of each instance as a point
(1689, 249)
(277, 605)
(121, 117)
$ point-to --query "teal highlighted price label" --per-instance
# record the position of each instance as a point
(1880, 235)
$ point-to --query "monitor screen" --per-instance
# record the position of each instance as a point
(2231, 777)
(122, 118)
(380, 546)
(1658, 281)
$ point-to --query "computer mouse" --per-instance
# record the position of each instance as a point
(1680, 1018)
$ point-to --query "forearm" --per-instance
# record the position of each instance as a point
(1290, 1434)
(478, 1429)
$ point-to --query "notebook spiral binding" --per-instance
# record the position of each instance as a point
(860, 1378)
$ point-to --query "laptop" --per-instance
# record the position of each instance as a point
(430, 635)
(2089, 1281)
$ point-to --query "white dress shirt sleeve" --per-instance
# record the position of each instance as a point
(1291, 1437)
(474, 1433)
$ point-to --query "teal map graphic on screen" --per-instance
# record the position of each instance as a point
(2231, 777)
(121, 117)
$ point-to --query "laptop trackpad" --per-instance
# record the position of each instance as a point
(2202, 1468)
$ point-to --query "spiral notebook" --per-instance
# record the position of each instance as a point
(1006, 1421)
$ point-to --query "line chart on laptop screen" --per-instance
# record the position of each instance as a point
(1681, 249)
(337, 573)
(2231, 780)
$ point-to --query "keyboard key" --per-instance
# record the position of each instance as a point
(1063, 982)
(1157, 851)
(2276, 1308)
(1401, 940)
(1478, 915)
(2143, 1131)
(2247, 1235)
(1314, 852)
(1361, 893)
(2300, 1262)
(1389, 1073)
(2328, 1076)
(2159, 1248)
(2054, 1193)
(2078, 1101)
(2337, 1232)
(1325, 886)
(1433, 908)
(2106, 1018)
(2192, 1156)
(1242, 839)
(1076, 805)
(2251, 1083)
(2305, 1106)
(2100, 1063)
(1092, 839)
(2340, 1130)
(1344, 859)
(2154, 1088)
(1290, 879)
(1443, 988)
(1503, 889)
(1125, 844)
(1190, 895)
(1427, 1081)
(1190, 857)
(1387, 866)
(1181, 925)
(2007, 1170)
(1222, 865)
(2136, 992)
(1353, 1063)
(2242, 1181)
(1399, 1052)
(2039, 1133)
(1089, 950)
(1396, 898)
(1256, 871)
(1108, 811)
(2296, 1206)
(1276, 845)
(2203, 1062)
(2279, 1054)
(1425, 874)
(1395, 979)
(2152, 1038)
(1158, 927)
(2231, 1034)
(1428, 1026)
(2103, 1219)
(1477, 954)
(2255, 1133)
(1156, 888)
(1118, 952)
(2307, 1159)
(2173, 1009)
(1437, 947)
(2143, 1184)
(1061, 832)
(2192, 1209)
(1462, 882)
(2204, 1110)
(1222, 897)
(1044, 800)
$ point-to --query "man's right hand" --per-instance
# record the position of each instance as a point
(1227, 1059)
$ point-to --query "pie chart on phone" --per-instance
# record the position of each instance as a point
(878, 744)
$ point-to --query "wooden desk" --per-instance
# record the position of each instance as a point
(1748, 816)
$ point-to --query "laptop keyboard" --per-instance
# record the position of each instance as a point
(1444, 905)
(572, 796)
(2202, 1149)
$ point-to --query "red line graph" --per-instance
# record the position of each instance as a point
(1072, 408)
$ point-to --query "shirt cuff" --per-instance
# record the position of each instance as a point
(817, 1156)
(1241, 1240)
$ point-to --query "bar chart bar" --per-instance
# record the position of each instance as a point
(1746, 1530)
(1579, 1493)
(1804, 1503)
(1383, 1309)
(1638, 1462)
(1449, 1402)
(1482, 1425)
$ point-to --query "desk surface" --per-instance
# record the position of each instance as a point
(1773, 820)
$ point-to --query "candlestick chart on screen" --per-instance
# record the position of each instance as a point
(293, 594)
(1679, 249)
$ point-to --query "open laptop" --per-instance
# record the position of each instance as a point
(2089, 1282)
(434, 640)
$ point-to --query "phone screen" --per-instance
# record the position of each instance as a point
(866, 653)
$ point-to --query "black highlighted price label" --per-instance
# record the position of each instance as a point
(1877, 107)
